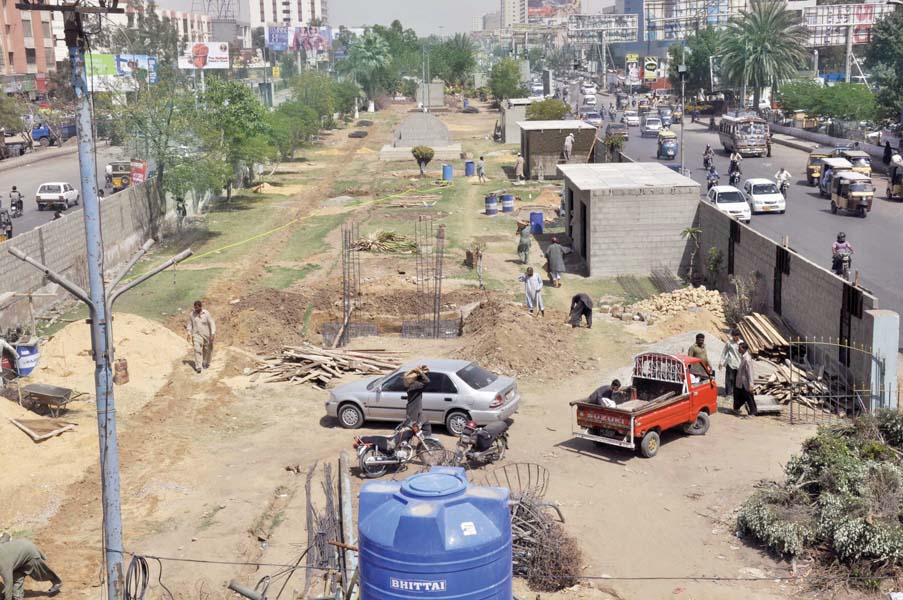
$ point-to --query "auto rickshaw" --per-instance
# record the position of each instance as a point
(852, 192)
(120, 175)
(644, 106)
(667, 145)
(862, 162)
(895, 182)
(831, 165)
(678, 113)
(6, 225)
(813, 166)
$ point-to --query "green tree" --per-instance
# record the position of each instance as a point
(700, 46)
(454, 59)
(367, 57)
(11, 111)
(505, 80)
(547, 110)
(800, 95)
(316, 90)
(290, 125)
(764, 46)
(536, 58)
(885, 57)
(345, 93)
(289, 65)
(847, 102)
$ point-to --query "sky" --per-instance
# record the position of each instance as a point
(424, 16)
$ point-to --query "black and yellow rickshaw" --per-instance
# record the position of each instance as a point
(852, 192)
(120, 174)
(667, 145)
(813, 166)
(861, 161)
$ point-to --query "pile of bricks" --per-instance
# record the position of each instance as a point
(664, 306)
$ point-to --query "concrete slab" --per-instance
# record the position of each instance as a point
(624, 176)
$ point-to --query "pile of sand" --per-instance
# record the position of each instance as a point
(151, 350)
(265, 321)
(279, 190)
(502, 336)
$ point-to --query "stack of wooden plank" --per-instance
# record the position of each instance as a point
(789, 380)
(319, 366)
(764, 338)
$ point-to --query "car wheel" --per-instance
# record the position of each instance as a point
(649, 445)
(350, 416)
(700, 426)
(44, 142)
(833, 207)
(66, 204)
(456, 421)
(77, 198)
(40, 208)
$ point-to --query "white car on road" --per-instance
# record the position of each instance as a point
(730, 201)
(589, 101)
(588, 90)
(651, 126)
(763, 196)
(56, 194)
(631, 118)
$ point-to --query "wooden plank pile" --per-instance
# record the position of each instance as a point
(790, 380)
(319, 366)
(764, 338)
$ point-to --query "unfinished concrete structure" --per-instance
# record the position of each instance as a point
(431, 95)
(512, 111)
(627, 218)
(421, 129)
(541, 143)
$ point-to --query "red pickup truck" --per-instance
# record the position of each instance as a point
(664, 394)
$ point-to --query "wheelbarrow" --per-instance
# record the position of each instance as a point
(47, 398)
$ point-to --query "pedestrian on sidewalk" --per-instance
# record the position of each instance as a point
(730, 362)
(524, 242)
(20, 559)
(555, 254)
(519, 167)
(481, 170)
(744, 383)
(581, 306)
(888, 153)
(201, 333)
(533, 290)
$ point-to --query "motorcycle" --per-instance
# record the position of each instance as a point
(842, 262)
(783, 187)
(734, 178)
(707, 161)
(377, 453)
(712, 181)
(481, 445)
(612, 115)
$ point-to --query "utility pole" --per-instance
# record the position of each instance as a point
(682, 72)
(849, 54)
(99, 304)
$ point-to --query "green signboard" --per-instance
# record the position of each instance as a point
(99, 65)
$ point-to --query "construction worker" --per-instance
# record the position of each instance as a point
(581, 306)
(20, 559)
(568, 147)
(519, 167)
(555, 254)
(524, 241)
(697, 350)
(415, 381)
(201, 333)
(533, 290)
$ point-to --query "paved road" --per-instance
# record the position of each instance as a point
(877, 239)
(28, 177)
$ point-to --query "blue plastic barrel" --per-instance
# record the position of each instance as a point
(507, 203)
(434, 536)
(470, 168)
(28, 357)
(447, 172)
(466, 103)
(537, 222)
(492, 205)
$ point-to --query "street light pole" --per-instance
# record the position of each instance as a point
(682, 72)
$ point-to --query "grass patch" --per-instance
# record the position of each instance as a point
(310, 238)
(209, 517)
(167, 294)
(280, 278)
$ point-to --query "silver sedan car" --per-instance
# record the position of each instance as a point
(459, 391)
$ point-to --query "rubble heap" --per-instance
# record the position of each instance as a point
(669, 304)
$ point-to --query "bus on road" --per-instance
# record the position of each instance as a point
(747, 135)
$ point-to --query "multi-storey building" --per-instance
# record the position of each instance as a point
(287, 12)
(26, 48)
(492, 21)
(512, 12)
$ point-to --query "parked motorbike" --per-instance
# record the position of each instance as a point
(376, 454)
(841, 263)
(481, 445)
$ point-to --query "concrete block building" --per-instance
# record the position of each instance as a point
(542, 142)
(513, 111)
(626, 218)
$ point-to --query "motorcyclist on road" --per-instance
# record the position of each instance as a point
(712, 177)
(838, 249)
(708, 157)
(782, 178)
(15, 201)
(735, 161)
(695, 114)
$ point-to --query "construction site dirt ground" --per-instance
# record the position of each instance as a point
(210, 462)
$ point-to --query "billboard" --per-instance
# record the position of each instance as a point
(138, 171)
(249, 58)
(828, 23)
(650, 69)
(119, 72)
(632, 69)
(312, 40)
(587, 29)
(677, 19)
(543, 11)
(205, 56)
(278, 37)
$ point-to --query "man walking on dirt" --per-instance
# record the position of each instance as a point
(581, 306)
(744, 383)
(415, 381)
(519, 167)
(555, 256)
(524, 241)
(533, 291)
(20, 559)
(201, 333)
(481, 170)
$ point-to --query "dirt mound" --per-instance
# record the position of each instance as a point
(504, 337)
(150, 349)
(264, 321)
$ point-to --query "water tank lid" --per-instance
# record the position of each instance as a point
(432, 485)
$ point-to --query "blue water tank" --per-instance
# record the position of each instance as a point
(537, 222)
(434, 536)
(447, 172)
(470, 168)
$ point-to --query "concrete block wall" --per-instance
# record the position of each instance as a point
(509, 118)
(632, 233)
(545, 147)
(128, 219)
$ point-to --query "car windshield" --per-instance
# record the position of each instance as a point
(664, 111)
(629, 113)
(476, 376)
(860, 187)
(729, 198)
(653, 122)
(765, 188)
(50, 189)
(375, 383)
(592, 115)
(752, 129)
(860, 162)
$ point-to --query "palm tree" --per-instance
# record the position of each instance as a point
(366, 58)
(460, 61)
(763, 46)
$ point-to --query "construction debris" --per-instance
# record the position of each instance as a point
(386, 241)
(788, 380)
(669, 304)
(319, 366)
(41, 429)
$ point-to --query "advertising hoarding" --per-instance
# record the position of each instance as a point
(119, 72)
(311, 40)
(587, 29)
(650, 69)
(828, 23)
(632, 69)
(205, 56)
(138, 171)
(544, 11)
(249, 58)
